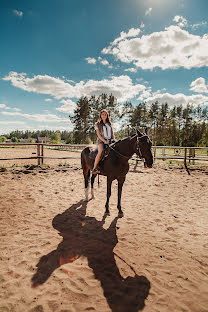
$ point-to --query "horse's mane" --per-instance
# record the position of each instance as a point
(122, 140)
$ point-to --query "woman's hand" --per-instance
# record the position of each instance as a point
(106, 142)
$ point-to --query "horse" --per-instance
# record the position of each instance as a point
(115, 163)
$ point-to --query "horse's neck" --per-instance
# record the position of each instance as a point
(126, 147)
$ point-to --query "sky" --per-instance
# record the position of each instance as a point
(52, 52)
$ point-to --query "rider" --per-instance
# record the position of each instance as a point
(105, 135)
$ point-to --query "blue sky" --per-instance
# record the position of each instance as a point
(53, 52)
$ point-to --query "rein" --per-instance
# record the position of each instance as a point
(138, 138)
(118, 152)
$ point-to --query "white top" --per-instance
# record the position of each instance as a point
(107, 131)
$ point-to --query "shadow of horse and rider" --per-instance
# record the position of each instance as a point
(85, 236)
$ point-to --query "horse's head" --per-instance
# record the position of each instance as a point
(144, 148)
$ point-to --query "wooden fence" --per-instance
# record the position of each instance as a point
(187, 154)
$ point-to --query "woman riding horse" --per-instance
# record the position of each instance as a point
(105, 135)
(116, 166)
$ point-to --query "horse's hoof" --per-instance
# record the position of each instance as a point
(120, 214)
(92, 194)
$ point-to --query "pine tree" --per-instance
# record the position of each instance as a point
(81, 120)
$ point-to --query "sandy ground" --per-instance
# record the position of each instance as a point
(59, 253)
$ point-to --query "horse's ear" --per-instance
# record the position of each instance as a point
(146, 130)
(138, 132)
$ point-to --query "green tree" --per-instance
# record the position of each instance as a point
(139, 117)
(3, 139)
(14, 139)
(153, 117)
(81, 120)
(86, 114)
(55, 138)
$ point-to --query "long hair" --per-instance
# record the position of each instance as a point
(107, 119)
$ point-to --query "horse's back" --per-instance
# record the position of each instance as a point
(88, 155)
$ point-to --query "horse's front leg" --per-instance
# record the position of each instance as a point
(109, 183)
(120, 186)
(92, 184)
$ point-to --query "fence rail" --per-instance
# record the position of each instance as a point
(190, 154)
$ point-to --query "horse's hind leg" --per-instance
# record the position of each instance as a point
(109, 183)
(86, 174)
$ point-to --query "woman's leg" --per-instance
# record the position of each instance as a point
(97, 159)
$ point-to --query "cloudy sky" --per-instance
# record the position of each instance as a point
(52, 52)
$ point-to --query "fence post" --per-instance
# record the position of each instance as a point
(38, 153)
(185, 156)
(193, 155)
(42, 153)
(190, 154)
(163, 153)
(154, 153)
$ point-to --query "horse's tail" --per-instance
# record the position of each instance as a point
(86, 171)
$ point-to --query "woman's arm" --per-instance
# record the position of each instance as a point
(101, 138)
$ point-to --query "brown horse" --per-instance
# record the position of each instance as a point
(115, 166)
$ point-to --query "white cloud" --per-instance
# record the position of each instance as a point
(178, 99)
(172, 48)
(68, 107)
(132, 70)
(11, 123)
(121, 87)
(145, 94)
(56, 128)
(133, 32)
(104, 62)
(4, 106)
(180, 20)
(148, 12)
(38, 117)
(48, 100)
(18, 13)
(195, 26)
(117, 125)
(142, 25)
(43, 84)
(90, 60)
(199, 85)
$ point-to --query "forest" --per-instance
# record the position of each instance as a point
(166, 125)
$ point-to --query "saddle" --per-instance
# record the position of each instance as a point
(94, 150)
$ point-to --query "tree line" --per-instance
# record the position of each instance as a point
(32, 136)
(166, 124)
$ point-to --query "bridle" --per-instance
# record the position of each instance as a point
(138, 148)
